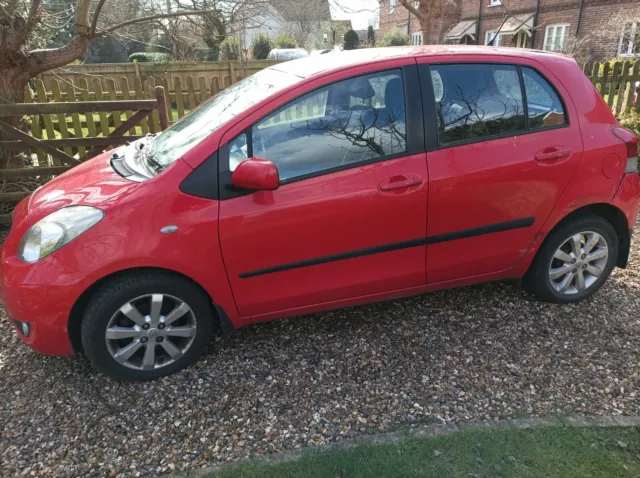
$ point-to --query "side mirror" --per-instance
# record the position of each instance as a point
(256, 173)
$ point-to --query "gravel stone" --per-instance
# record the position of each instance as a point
(482, 353)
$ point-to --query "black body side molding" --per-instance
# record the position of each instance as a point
(394, 246)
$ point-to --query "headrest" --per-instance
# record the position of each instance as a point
(393, 97)
(361, 88)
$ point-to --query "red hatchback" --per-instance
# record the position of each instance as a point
(320, 183)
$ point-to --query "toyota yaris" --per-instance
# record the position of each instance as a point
(320, 183)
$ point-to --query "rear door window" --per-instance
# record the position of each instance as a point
(475, 101)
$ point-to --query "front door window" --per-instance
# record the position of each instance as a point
(352, 121)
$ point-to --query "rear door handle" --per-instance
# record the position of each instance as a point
(549, 154)
(400, 182)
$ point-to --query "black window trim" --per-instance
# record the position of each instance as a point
(414, 117)
(430, 110)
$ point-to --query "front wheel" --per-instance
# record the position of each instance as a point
(146, 325)
(574, 261)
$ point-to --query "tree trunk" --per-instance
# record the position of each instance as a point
(13, 82)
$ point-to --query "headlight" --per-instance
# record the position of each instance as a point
(57, 229)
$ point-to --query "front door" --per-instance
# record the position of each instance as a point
(503, 158)
(349, 217)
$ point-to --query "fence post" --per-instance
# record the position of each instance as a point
(163, 112)
(232, 69)
(136, 66)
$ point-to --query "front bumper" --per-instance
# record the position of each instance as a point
(42, 295)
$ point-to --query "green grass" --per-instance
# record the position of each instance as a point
(549, 452)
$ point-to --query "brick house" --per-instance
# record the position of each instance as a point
(590, 29)
(394, 16)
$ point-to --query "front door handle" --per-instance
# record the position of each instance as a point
(400, 182)
(549, 154)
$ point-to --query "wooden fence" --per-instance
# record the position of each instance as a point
(227, 72)
(616, 83)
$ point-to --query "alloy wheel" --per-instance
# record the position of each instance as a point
(151, 331)
(578, 262)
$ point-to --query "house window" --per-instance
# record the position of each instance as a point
(392, 5)
(495, 3)
(555, 37)
(416, 38)
(521, 40)
(629, 39)
(490, 35)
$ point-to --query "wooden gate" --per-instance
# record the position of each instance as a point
(58, 155)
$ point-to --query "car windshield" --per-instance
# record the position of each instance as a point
(193, 128)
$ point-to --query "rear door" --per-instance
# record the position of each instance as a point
(504, 145)
(349, 217)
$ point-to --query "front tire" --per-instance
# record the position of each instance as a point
(146, 325)
(574, 261)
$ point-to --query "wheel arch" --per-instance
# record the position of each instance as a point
(613, 216)
(77, 311)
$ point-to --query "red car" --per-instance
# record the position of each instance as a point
(321, 183)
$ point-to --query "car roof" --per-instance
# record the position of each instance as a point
(306, 67)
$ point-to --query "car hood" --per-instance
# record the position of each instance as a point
(91, 183)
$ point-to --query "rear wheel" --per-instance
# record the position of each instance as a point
(575, 260)
(146, 325)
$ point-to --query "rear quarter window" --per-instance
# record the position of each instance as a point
(544, 105)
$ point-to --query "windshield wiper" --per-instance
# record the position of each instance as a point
(147, 148)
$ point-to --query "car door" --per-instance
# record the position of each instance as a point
(349, 216)
(506, 146)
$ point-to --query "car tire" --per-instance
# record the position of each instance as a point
(166, 318)
(554, 278)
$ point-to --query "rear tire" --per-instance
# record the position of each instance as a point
(146, 325)
(574, 261)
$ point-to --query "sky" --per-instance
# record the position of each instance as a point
(362, 13)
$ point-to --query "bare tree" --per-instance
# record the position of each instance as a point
(23, 24)
(304, 19)
(430, 14)
(223, 18)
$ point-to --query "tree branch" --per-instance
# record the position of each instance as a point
(96, 14)
(148, 18)
(33, 12)
(46, 59)
(414, 11)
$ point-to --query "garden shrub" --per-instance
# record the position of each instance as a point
(285, 40)
(394, 38)
(148, 57)
(351, 40)
(261, 46)
(230, 48)
(630, 120)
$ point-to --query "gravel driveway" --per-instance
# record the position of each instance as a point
(478, 353)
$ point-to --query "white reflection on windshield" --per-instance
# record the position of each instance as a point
(193, 128)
